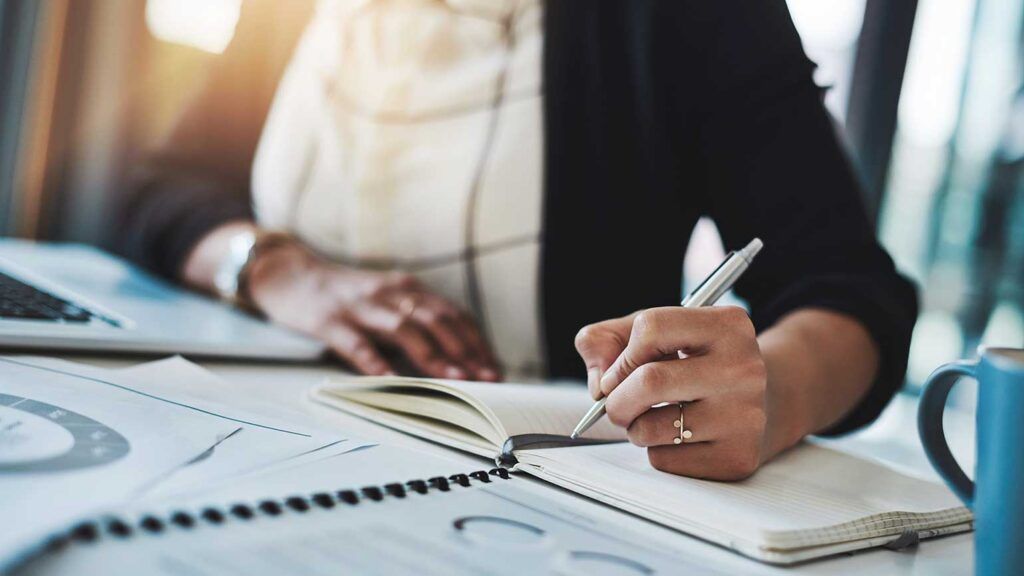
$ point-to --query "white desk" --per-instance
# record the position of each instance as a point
(893, 438)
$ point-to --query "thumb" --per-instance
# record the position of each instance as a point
(599, 345)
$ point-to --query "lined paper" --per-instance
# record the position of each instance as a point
(513, 408)
(809, 496)
(533, 408)
(808, 502)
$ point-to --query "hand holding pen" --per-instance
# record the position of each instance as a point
(687, 382)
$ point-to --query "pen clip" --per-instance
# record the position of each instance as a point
(707, 278)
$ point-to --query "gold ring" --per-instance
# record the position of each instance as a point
(407, 306)
(684, 434)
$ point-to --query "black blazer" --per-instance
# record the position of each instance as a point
(656, 112)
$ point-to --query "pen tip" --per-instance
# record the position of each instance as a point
(752, 248)
(574, 435)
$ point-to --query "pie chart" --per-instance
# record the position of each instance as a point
(40, 437)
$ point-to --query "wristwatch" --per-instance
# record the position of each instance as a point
(230, 281)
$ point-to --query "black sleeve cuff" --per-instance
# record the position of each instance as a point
(170, 216)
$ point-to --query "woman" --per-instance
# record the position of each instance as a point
(466, 184)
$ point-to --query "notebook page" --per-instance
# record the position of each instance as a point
(444, 408)
(518, 408)
(538, 408)
(435, 430)
(809, 496)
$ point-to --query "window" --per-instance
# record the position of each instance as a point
(204, 24)
(952, 215)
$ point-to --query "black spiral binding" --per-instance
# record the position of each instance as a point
(119, 529)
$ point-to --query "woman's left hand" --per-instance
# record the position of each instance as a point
(721, 381)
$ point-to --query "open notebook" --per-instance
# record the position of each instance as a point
(809, 502)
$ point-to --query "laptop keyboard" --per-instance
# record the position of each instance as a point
(24, 302)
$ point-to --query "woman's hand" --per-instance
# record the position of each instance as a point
(361, 314)
(635, 362)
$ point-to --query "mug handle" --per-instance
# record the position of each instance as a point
(929, 426)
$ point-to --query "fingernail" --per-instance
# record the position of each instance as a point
(487, 374)
(454, 373)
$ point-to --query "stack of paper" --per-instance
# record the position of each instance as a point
(75, 439)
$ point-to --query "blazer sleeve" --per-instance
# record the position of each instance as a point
(771, 166)
(199, 177)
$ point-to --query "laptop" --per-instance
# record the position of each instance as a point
(75, 297)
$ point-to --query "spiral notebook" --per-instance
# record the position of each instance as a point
(808, 503)
(472, 523)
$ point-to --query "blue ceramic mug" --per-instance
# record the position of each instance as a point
(997, 494)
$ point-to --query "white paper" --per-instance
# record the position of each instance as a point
(503, 527)
(808, 497)
(70, 444)
(271, 435)
(358, 465)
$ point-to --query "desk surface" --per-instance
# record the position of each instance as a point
(893, 438)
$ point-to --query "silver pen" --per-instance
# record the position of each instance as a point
(709, 291)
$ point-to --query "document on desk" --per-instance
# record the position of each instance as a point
(157, 429)
(71, 443)
(271, 435)
(473, 523)
(809, 502)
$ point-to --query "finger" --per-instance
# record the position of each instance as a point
(599, 344)
(658, 333)
(404, 334)
(395, 282)
(440, 320)
(355, 349)
(459, 337)
(457, 334)
(687, 380)
(433, 317)
(479, 349)
(727, 460)
(656, 427)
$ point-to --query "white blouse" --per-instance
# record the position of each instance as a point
(407, 134)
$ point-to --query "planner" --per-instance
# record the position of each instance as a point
(809, 502)
(479, 522)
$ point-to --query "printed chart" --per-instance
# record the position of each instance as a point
(40, 437)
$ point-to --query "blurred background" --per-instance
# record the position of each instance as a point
(927, 94)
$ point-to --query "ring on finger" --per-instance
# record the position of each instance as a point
(684, 434)
(407, 306)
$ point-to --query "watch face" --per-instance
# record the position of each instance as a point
(227, 276)
(40, 437)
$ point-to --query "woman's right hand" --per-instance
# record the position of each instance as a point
(361, 314)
